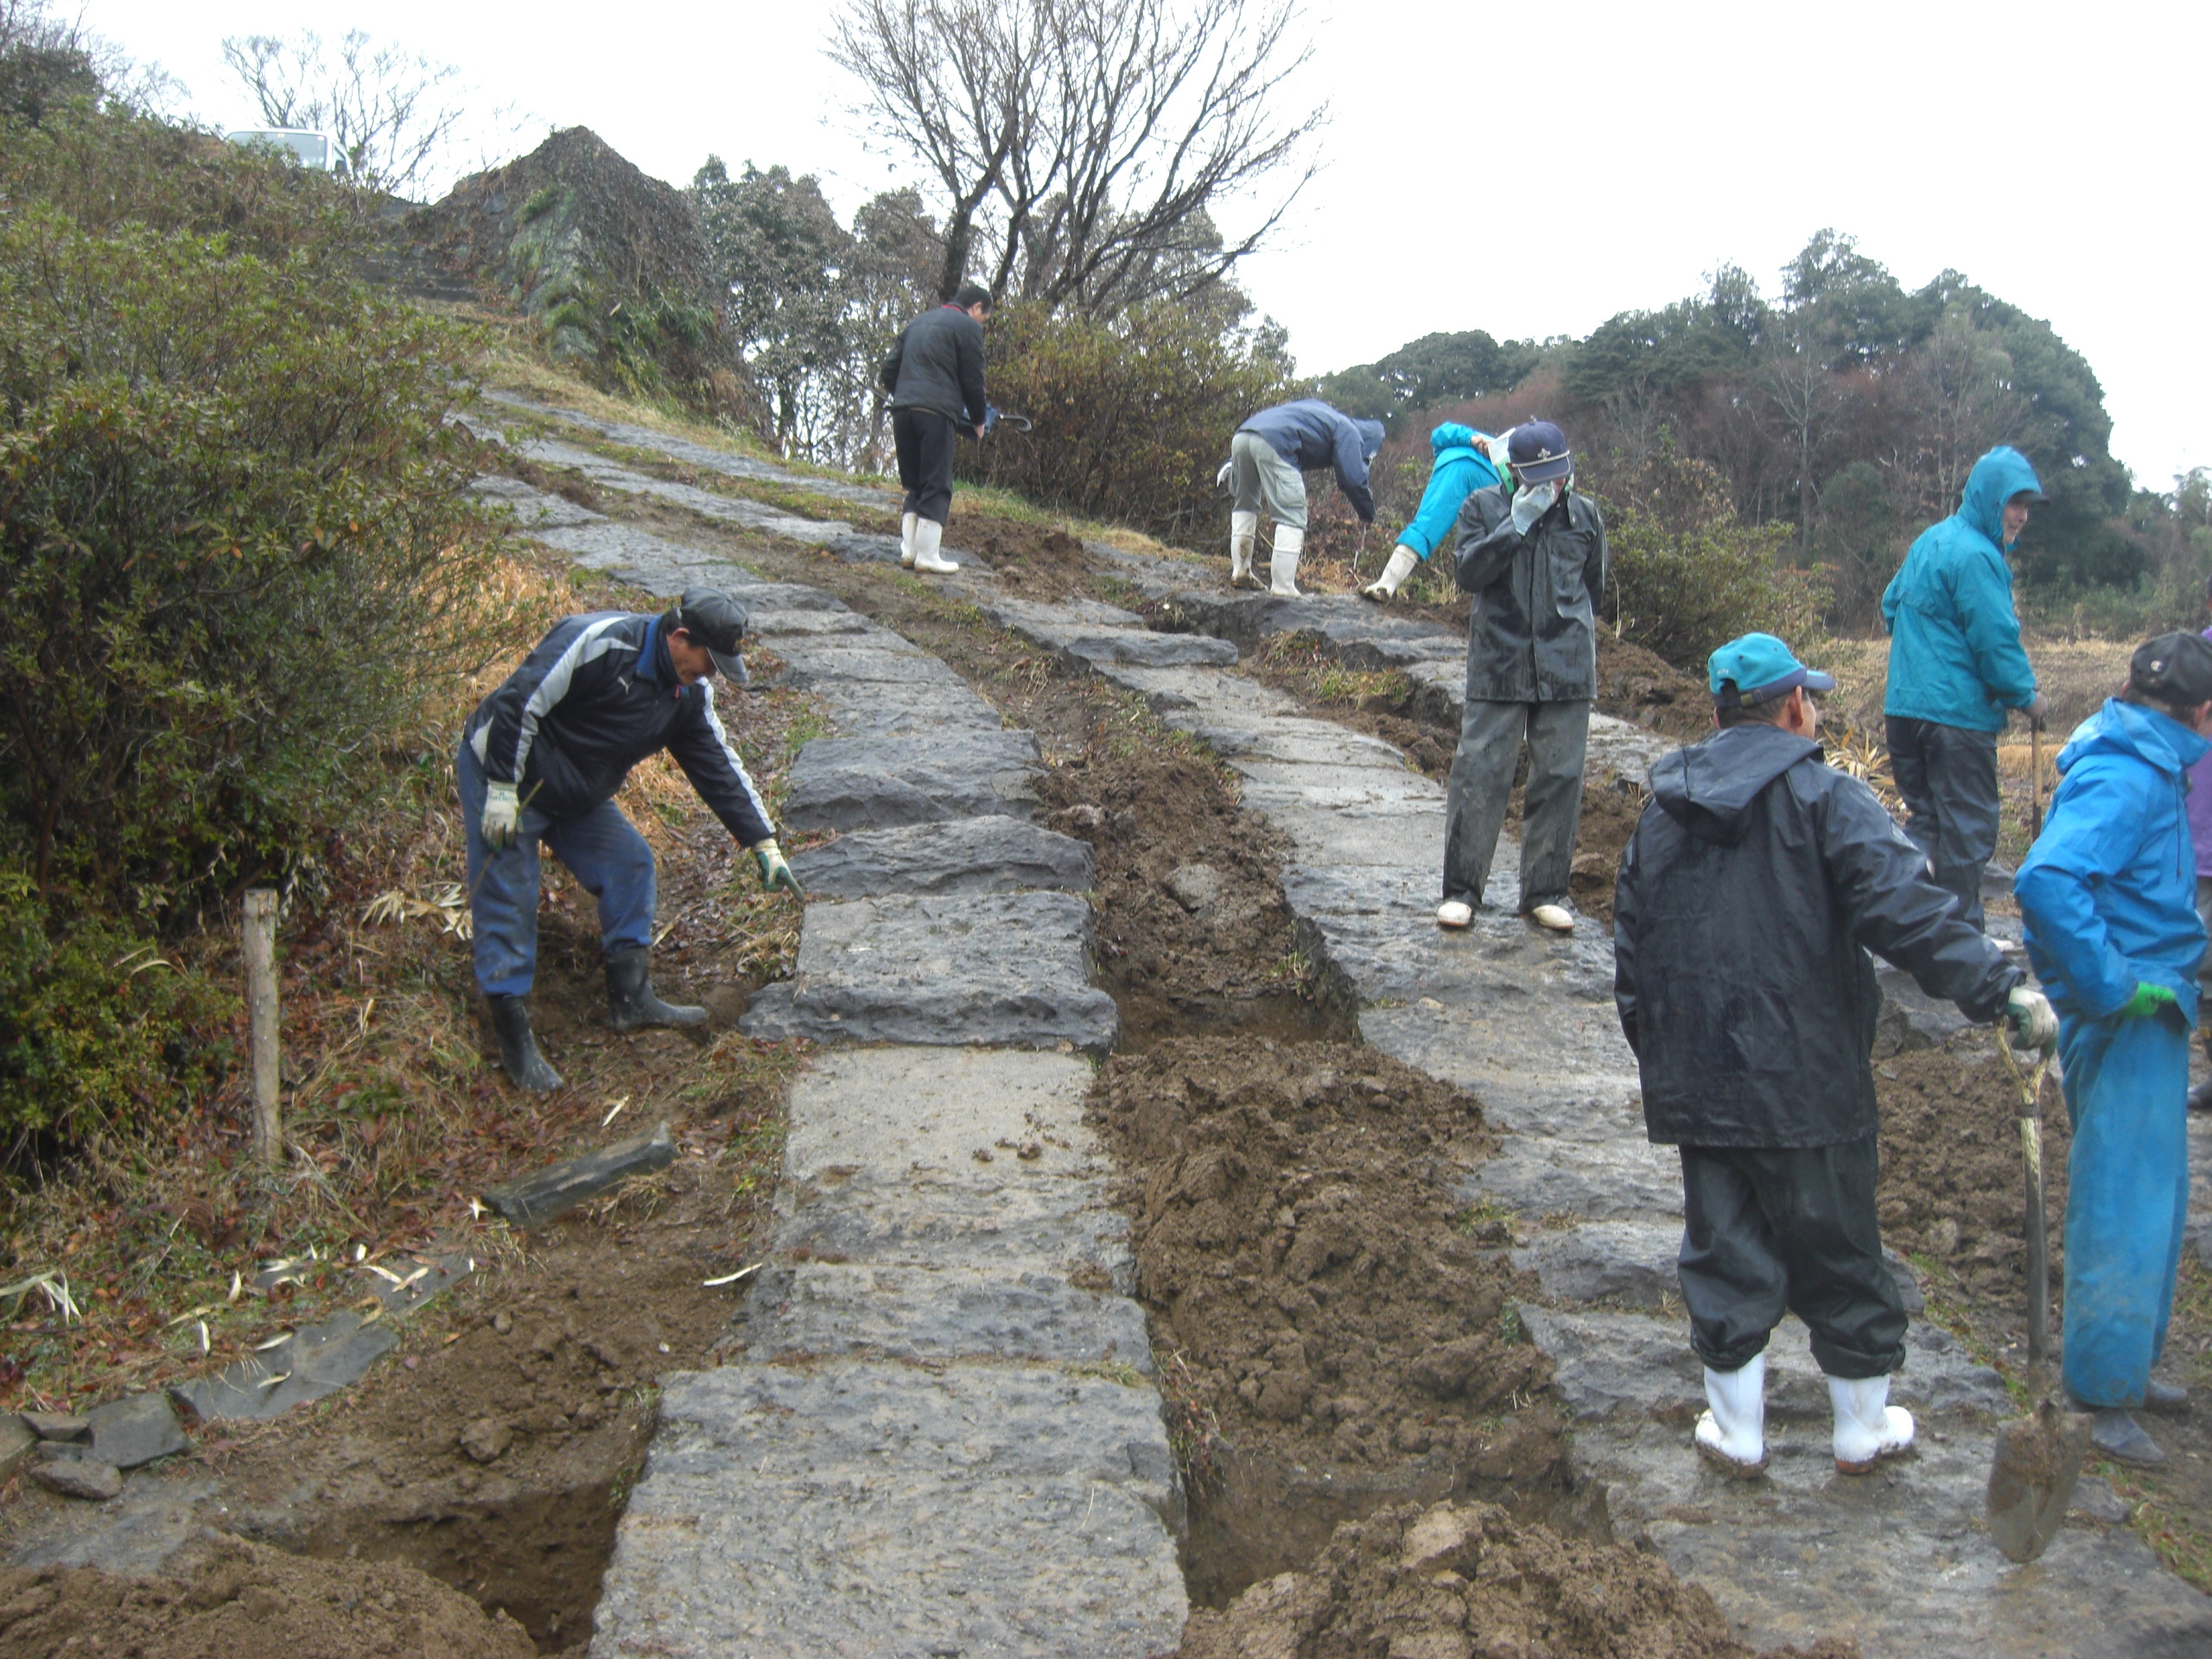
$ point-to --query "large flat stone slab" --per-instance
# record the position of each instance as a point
(889, 1112)
(998, 854)
(928, 1313)
(926, 776)
(995, 969)
(318, 1361)
(866, 1508)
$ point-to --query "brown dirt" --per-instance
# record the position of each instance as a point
(1952, 1192)
(1298, 1253)
(1455, 1581)
(241, 1601)
(1034, 561)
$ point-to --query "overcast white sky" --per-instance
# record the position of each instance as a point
(1530, 184)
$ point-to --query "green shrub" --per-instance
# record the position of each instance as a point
(97, 1028)
(233, 547)
(1133, 417)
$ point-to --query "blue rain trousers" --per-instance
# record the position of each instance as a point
(602, 850)
(2127, 1197)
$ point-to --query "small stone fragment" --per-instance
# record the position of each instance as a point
(135, 1430)
(15, 1443)
(1195, 886)
(79, 1478)
(57, 1425)
(502, 1322)
(486, 1438)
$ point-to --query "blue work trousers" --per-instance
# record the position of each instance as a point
(2126, 1198)
(602, 850)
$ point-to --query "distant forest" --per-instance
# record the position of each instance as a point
(1848, 411)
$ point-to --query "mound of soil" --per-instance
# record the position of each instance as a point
(243, 1601)
(1641, 685)
(1036, 561)
(1296, 1246)
(1466, 1582)
(1953, 1189)
(1611, 808)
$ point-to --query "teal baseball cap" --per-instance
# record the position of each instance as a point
(1759, 668)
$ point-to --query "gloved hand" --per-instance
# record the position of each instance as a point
(1221, 478)
(501, 810)
(2147, 1000)
(2029, 1013)
(2039, 711)
(774, 872)
(1530, 503)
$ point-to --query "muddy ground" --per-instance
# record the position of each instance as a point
(1465, 1581)
(239, 1601)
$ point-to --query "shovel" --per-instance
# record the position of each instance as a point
(2039, 1456)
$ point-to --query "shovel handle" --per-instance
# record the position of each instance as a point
(2038, 1238)
(2034, 780)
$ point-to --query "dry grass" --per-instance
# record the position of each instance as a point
(394, 1116)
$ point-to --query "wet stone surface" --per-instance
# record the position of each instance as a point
(965, 854)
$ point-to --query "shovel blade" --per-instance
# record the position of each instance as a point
(2031, 1478)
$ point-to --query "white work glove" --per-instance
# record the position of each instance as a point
(1221, 478)
(501, 810)
(2033, 1023)
(774, 871)
(1530, 503)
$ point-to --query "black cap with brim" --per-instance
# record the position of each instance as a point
(718, 622)
(2174, 668)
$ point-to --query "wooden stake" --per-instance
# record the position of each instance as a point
(261, 1011)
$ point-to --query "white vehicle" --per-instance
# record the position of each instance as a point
(318, 150)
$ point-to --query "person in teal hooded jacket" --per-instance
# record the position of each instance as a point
(2108, 899)
(1462, 467)
(1956, 665)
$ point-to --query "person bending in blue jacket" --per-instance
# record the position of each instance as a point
(1956, 666)
(540, 762)
(1462, 466)
(1267, 457)
(2108, 897)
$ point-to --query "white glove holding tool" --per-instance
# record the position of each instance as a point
(2033, 1022)
(501, 812)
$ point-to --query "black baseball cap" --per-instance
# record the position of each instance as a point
(2174, 668)
(717, 621)
(1538, 453)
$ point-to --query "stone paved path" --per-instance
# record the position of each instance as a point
(1898, 1561)
(938, 1433)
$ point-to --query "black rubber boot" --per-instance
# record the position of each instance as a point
(519, 1056)
(630, 1000)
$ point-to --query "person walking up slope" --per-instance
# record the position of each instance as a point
(1267, 457)
(935, 377)
(1956, 666)
(1462, 466)
(2109, 903)
(1755, 885)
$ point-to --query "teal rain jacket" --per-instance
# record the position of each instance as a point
(2108, 891)
(1458, 472)
(1955, 641)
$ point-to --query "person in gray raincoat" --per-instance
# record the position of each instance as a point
(1532, 552)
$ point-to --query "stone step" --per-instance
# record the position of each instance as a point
(1000, 854)
(876, 1508)
(926, 1314)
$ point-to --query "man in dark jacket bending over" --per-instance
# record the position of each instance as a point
(541, 760)
(1749, 895)
(935, 377)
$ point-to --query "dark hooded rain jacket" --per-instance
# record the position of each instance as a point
(1754, 887)
(1532, 632)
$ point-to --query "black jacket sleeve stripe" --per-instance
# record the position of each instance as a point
(591, 644)
(710, 760)
(504, 740)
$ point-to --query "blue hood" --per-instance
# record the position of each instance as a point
(1452, 435)
(1996, 478)
(2108, 891)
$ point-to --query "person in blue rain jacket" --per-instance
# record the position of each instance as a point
(1462, 467)
(1956, 665)
(2108, 900)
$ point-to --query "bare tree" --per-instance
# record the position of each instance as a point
(1079, 152)
(393, 113)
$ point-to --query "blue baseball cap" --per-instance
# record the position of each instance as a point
(1538, 453)
(1759, 668)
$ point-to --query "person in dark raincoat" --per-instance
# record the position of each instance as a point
(1755, 885)
(1956, 666)
(2109, 903)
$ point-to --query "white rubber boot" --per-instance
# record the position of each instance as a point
(1243, 531)
(1867, 1427)
(1282, 568)
(1385, 589)
(906, 540)
(927, 534)
(1731, 1435)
